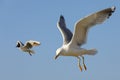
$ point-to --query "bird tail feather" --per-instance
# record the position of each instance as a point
(91, 52)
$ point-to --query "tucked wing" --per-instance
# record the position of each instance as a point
(82, 26)
(66, 33)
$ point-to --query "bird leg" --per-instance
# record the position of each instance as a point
(30, 53)
(84, 63)
(80, 67)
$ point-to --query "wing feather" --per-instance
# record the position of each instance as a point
(66, 33)
(83, 25)
(29, 44)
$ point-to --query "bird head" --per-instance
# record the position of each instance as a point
(19, 44)
(58, 53)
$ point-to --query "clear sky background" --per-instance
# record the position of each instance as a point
(36, 20)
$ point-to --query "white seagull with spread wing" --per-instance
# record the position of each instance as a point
(72, 42)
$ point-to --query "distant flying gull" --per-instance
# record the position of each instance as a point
(27, 46)
(72, 42)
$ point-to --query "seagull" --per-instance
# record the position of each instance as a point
(72, 42)
(27, 46)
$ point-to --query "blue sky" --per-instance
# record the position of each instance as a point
(36, 20)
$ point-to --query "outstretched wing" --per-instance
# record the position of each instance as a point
(66, 33)
(28, 45)
(82, 26)
(31, 43)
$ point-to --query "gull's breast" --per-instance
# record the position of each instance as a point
(73, 52)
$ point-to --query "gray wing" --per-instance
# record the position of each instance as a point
(82, 26)
(66, 33)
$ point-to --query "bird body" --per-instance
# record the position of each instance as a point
(67, 50)
(25, 49)
(72, 42)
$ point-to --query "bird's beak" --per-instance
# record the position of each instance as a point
(56, 56)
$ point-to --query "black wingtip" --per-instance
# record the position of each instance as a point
(113, 8)
(61, 16)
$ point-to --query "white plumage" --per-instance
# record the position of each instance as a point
(72, 42)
